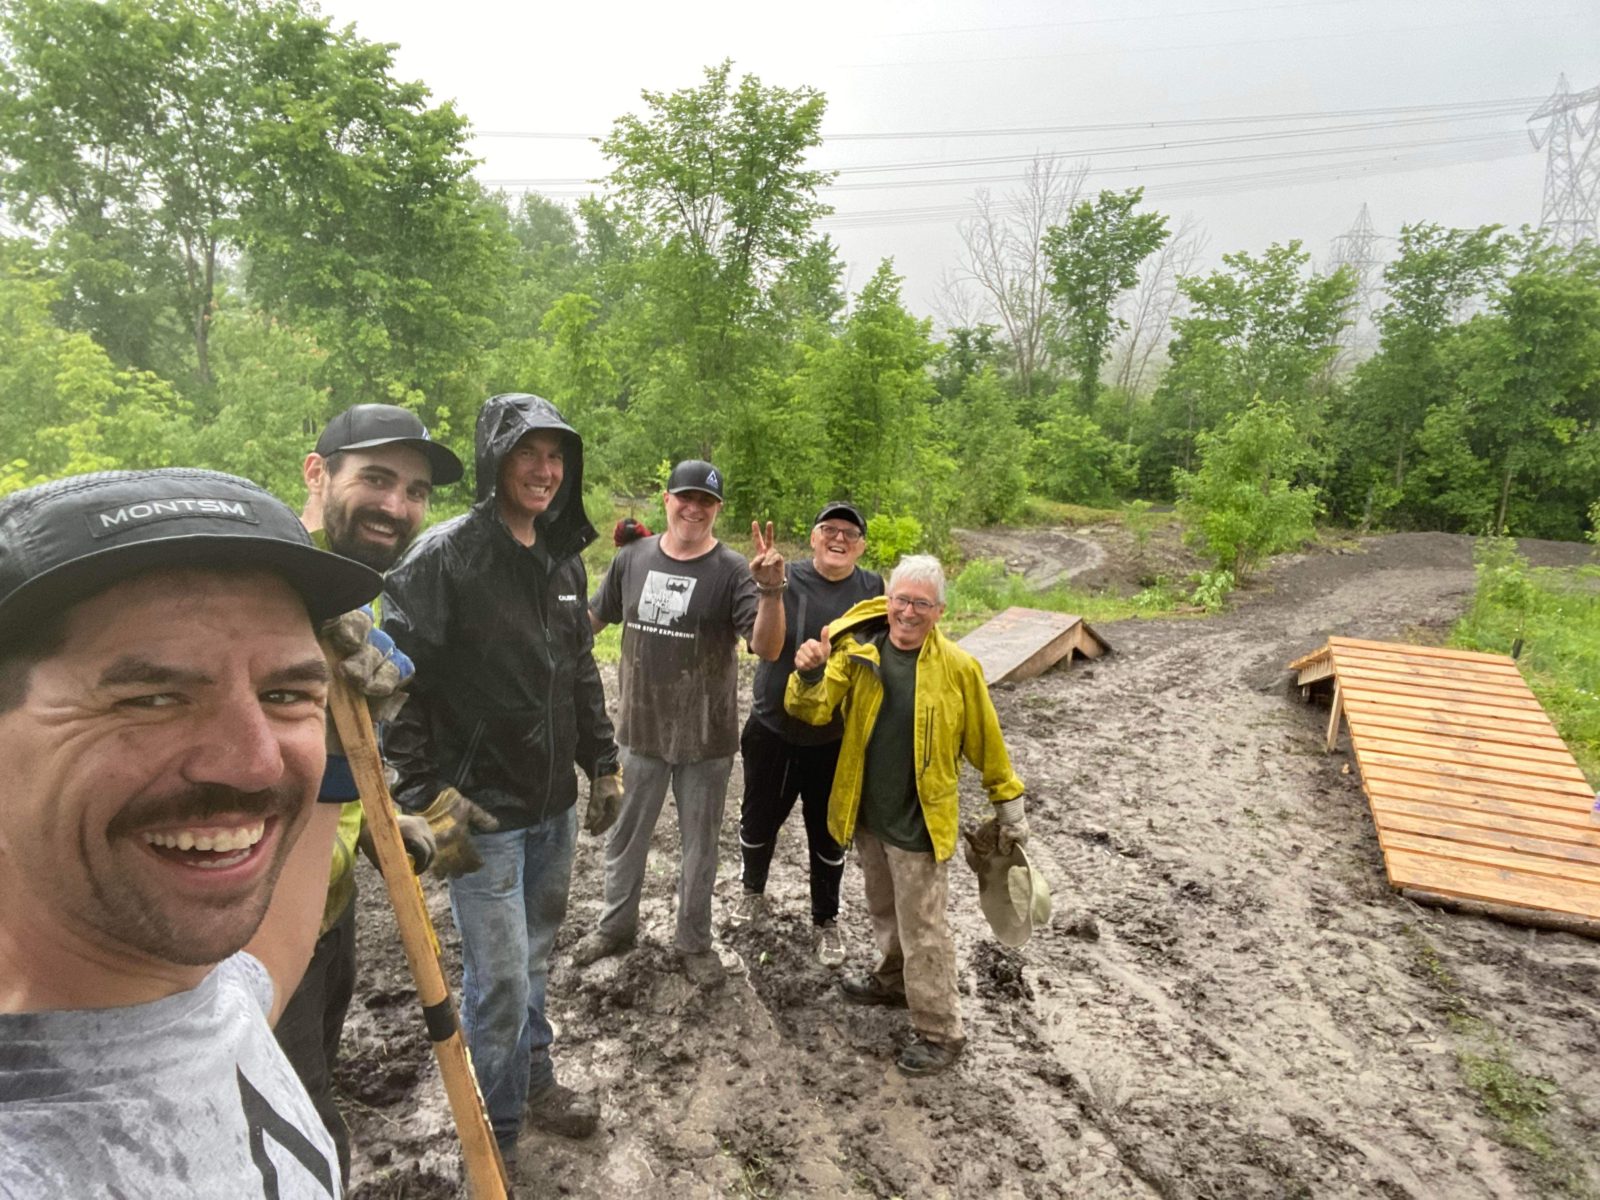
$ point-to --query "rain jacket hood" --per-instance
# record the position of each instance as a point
(507, 698)
(504, 421)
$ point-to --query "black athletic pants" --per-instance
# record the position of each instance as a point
(310, 1025)
(777, 771)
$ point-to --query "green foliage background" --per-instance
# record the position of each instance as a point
(233, 220)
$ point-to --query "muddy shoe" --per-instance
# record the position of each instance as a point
(923, 1057)
(749, 911)
(830, 945)
(592, 947)
(705, 970)
(865, 989)
(558, 1109)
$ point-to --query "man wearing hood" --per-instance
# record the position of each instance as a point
(491, 606)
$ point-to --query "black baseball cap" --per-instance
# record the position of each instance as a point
(364, 426)
(695, 475)
(841, 508)
(65, 541)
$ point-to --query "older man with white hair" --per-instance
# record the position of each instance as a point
(917, 704)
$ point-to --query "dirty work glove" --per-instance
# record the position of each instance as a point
(979, 844)
(1010, 825)
(605, 800)
(417, 836)
(453, 818)
(370, 660)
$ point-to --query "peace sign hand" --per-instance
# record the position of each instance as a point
(766, 564)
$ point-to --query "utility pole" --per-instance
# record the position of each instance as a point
(1571, 211)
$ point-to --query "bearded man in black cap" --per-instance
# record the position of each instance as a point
(368, 483)
(162, 858)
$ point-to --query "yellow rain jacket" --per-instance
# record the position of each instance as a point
(955, 719)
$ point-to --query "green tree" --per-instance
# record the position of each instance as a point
(1093, 259)
(1242, 503)
(1263, 327)
(707, 242)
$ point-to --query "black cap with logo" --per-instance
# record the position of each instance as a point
(695, 475)
(64, 541)
(367, 425)
(841, 508)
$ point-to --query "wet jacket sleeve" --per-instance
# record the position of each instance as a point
(981, 742)
(416, 607)
(597, 743)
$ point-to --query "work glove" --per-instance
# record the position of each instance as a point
(415, 835)
(1010, 825)
(605, 800)
(979, 843)
(453, 818)
(628, 530)
(370, 660)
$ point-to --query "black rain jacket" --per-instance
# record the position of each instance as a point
(506, 698)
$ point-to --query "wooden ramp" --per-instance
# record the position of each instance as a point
(1023, 642)
(1478, 803)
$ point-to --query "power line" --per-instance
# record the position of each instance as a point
(1510, 104)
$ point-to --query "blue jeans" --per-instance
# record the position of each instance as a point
(508, 912)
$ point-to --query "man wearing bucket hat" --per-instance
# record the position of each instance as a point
(914, 704)
(368, 483)
(163, 862)
(685, 601)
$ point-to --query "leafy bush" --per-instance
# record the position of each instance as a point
(1241, 505)
(1212, 589)
(891, 538)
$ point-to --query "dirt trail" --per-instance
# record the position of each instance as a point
(1230, 1001)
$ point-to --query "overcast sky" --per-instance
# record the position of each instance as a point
(1455, 81)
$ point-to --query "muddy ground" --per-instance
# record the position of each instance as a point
(1229, 1002)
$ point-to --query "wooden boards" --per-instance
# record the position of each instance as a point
(1477, 801)
(1023, 642)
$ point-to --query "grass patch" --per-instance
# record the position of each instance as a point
(1555, 612)
(1520, 1104)
(985, 587)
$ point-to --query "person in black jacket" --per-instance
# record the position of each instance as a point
(491, 607)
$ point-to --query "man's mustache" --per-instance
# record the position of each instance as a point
(196, 805)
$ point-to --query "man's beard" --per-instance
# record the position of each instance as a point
(343, 527)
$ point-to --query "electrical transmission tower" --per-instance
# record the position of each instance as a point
(1357, 251)
(1572, 164)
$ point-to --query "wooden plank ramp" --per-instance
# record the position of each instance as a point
(1023, 642)
(1478, 803)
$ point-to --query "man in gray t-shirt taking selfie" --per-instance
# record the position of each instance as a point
(163, 860)
(685, 601)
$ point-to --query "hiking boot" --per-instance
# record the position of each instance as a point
(705, 970)
(867, 989)
(830, 945)
(559, 1109)
(750, 909)
(592, 947)
(923, 1057)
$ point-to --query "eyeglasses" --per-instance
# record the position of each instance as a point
(842, 533)
(923, 607)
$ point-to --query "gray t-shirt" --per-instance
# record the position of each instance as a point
(811, 601)
(187, 1096)
(682, 621)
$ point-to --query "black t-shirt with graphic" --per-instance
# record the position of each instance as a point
(811, 601)
(682, 621)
